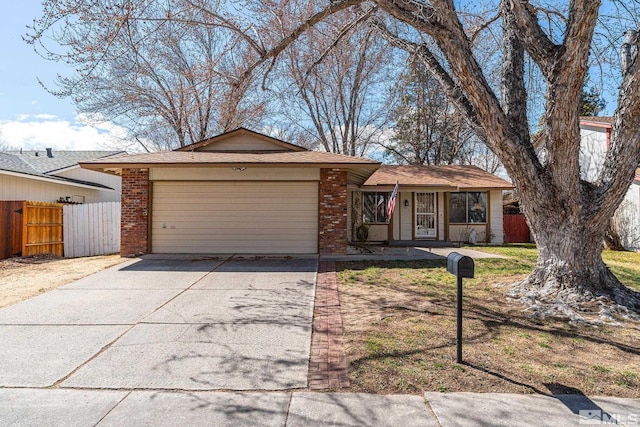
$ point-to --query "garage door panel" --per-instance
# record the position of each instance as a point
(210, 217)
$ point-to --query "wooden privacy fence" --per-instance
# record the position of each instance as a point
(516, 229)
(30, 228)
(11, 228)
(91, 229)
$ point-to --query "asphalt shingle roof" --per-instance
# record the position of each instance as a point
(454, 176)
(224, 158)
(13, 163)
(40, 162)
(37, 163)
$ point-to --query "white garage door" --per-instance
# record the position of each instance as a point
(235, 217)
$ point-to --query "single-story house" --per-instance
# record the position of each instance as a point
(245, 192)
(52, 176)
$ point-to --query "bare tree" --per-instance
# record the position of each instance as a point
(167, 81)
(475, 152)
(428, 129)
(330, 86)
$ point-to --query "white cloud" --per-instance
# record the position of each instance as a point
(45, 130)
(44, 117)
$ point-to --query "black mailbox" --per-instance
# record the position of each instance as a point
(460, 265)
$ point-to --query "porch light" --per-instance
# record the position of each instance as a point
(406, 203)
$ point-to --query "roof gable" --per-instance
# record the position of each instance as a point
(242, 140)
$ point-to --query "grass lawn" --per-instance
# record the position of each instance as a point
(625, 265)
(399, 320)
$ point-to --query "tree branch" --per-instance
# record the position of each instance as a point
(225, 23)
(532, 36)
(274, 52)
(514, 92)
(419, 15)
(343, 33)
(484, 26)
(449, 86)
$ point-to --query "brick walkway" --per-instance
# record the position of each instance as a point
(328, 364)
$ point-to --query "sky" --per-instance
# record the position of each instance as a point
(31, 117)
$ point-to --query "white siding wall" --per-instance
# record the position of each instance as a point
(395, 219)
(593, 148)
(113, 181)
(406, 220)
(627, 218)
(497, 229)
(460, 232)
(18, 188)
(378, 232)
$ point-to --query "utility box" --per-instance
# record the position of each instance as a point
(460, 265)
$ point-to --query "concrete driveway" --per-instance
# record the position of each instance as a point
(180, 324)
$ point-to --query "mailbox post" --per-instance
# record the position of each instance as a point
(460, 266)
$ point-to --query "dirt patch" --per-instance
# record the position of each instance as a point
(400, 319)
(23, 278)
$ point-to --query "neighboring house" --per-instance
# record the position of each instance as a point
(244, 192)
(51, 176)
(596, 138)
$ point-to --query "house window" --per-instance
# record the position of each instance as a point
(374, 209)
(468, 208)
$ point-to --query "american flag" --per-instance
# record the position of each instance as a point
(392, 201)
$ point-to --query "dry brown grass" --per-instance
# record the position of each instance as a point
(23, 278)
(400, 325)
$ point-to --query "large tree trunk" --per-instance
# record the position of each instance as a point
(570, 279)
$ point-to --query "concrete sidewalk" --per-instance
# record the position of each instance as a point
(74, 407)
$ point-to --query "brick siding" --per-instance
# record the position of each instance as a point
(134, 233)
(332, 227)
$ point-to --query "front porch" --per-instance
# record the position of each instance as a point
(425, 218)
(452, 203)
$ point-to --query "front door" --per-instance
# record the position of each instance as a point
(425, 215)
